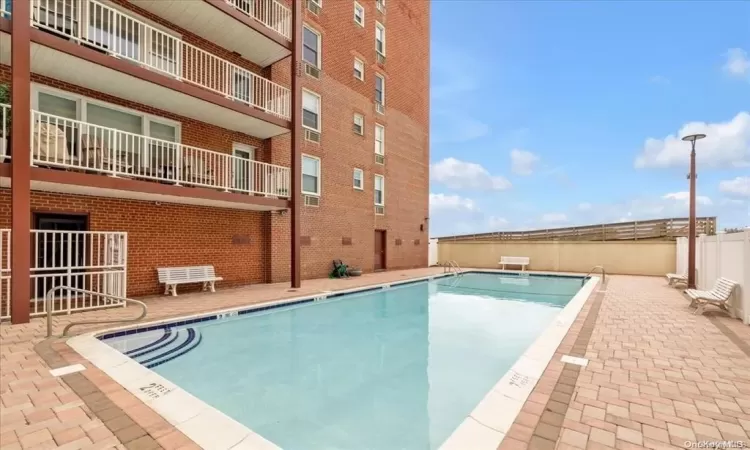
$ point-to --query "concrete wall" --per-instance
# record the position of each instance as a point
(629, 258)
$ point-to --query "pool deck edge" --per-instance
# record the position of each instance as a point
(488, 424)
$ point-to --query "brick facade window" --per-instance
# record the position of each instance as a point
(358, 125)
(379, 190)
(359, 14)
(359, 179)
(311, 110)
(379, 139)
(311, 46)
(310, 175)
(380, 38)
(379, 89)
(359, 69)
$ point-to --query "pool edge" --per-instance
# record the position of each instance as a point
(486, 426)
(198, 420)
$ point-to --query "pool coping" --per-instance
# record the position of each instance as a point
(198, 420)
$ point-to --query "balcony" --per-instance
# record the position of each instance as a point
(106, 50)
(259, 30)
(80, 147)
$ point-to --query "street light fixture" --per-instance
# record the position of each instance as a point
(691, 228)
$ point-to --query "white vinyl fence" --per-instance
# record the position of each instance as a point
(91, 260)
(432, 258)
(724, 255)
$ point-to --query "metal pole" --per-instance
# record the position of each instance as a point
(296, 171)
(691, 226)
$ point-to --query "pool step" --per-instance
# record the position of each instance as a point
(165, 345)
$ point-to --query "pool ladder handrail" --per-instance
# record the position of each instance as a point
(452, 265)
(604, 274)
(48, 305)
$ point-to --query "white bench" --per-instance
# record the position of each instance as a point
(719, 296)
(172, 276)
(522, 261)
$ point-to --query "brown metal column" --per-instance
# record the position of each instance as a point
(20, 264)
(691, 225)
(297, 13)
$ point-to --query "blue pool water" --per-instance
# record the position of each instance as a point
(386, 369)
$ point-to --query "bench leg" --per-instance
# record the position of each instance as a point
(174, 290)
(699, 309)
(205, 286)
(213, 286)
(166, 289)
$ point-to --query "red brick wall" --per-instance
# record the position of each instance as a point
(167, 235)
(343, 211)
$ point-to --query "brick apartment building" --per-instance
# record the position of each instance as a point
(263, 137)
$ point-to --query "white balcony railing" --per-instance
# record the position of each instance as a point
(110, 30)
(270, 13)
(4, 127)
(75, 145)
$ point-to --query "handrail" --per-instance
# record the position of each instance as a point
(604, 274)
(451, 265)
(48, 304)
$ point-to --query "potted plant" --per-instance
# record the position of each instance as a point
(5, 139)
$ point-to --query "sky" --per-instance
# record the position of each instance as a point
(550, 114)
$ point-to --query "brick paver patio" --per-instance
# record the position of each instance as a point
(658, 376)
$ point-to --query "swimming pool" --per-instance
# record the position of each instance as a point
(392, 367)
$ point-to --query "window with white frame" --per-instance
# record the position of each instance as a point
(92, 123)
(379, 89)
(380, 38)
(311, 110)
(380, 4)
(359, 179)
(359, 14)
(379, 139)
(379, 190)
(311, 46)
(358, 126)
(310, 175)
(359, 69)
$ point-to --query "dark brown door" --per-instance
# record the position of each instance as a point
(379, 249)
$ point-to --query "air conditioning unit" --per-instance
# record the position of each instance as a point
(379, 108)
(312, 136)
(357, 128)
(312, 70)
(313, 6)
(311, 200)
(379, 210)
(381, 58)
(379, 159)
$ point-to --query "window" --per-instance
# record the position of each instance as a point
(359, 124)
(379, 190)
(310, 175)
(359, 69)
(379, 140)
(380, 4)
(379, 89)
(311, 110)
(359, 14)
(379, 38)
(311, 46)
(359, 179)
(242, 86)
(98, 119)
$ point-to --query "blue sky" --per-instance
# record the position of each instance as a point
(550, 114)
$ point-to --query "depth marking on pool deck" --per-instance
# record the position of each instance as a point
(583, 362)
(547, 431)
(67, 370)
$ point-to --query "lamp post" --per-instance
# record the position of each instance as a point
(692, 226)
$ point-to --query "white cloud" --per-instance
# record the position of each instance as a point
(727, 145)
(442, 202)
(497, 222)
(732, 201)
(684, 197)
(584, 206)
(738, 63)
(554, 218)
(465, 175)
(522, 161)
(740, 186)
(659, 79)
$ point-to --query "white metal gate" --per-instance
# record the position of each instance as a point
(91, 260)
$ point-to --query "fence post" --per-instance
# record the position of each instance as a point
(745, 288)
(70, 269)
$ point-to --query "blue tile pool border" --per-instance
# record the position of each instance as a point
(243, 310)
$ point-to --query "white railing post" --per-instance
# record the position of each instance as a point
(69, 262)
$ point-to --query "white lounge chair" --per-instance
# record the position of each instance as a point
(674, 278)
(719, 296)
